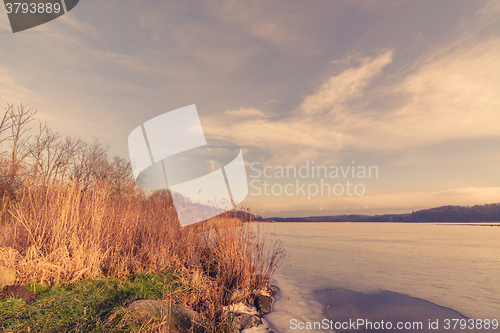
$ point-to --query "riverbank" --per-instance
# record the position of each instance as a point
(92, 305)
(117, 305)
(61, 235)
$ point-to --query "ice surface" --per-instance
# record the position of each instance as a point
(453, 266)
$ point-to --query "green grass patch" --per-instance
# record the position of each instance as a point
(86, 306)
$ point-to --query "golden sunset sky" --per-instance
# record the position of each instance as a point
(412, 87)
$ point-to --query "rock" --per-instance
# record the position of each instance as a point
(245, 320)
(268, 291)
(181, 319)
(7, 276)
(258, 329)
(241, 308)
(263, 303)
(18, 292)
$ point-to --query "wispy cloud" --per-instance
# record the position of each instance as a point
(10, 86)
(450, 95)
(322, 120)
(352, 83)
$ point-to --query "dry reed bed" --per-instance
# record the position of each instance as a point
(59, 233)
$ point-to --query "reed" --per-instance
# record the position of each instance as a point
(60, 233)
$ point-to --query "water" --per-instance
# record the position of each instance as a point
(452, 266)
(388, 307)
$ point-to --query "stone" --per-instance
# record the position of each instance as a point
(241, 308)
(245, 320)
(258, 329)
(7, 276)
(181, 319)
(263, 303)
(18, 292)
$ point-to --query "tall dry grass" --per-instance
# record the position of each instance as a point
(60, 232)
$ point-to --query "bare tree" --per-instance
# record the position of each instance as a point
(90, 163)
(121, 176)
(5, 124)
(44, 158)
(40, 151)
(15, 122)
(67, 156)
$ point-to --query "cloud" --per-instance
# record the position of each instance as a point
(453, 96)
(322, 120)
(10, 86)
(487, 16)
(79, 26)
(132, 64)
(451, 93)
(252, 16)
(246, 113)
(346, 86)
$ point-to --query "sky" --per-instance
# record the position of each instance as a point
(409, 88)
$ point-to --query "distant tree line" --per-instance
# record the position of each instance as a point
(478, 213)
(245, 215)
